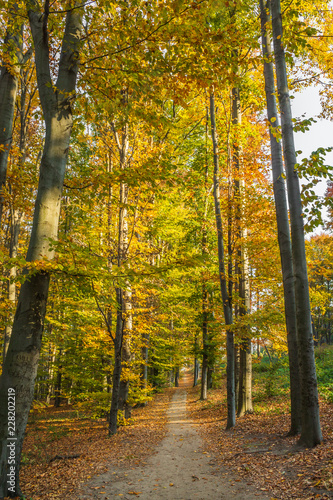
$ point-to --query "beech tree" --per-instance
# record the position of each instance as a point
(282, 222)
(311, 432)
(20, 366)
(231, 401)
(9, 77)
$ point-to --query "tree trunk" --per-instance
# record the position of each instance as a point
(177, 376)
(15, 215)
(58, 380)
(204, 370)
(196, 372)
(20, 367)
(126, 355)
(124, 305)
(13, 252)
(144, 366)
(210, 377)
(282, 219)
(231, 420)
(9, 75)
(52, 358)
(245, 375)
(311, 432)
(118, 339)
(244, 392)
(205, 343)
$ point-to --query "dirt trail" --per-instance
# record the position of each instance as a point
(180, 469)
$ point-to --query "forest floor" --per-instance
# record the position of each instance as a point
(175, 448)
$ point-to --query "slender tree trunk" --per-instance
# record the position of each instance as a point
(196, 372)
(126, 352)
(9, 76)
(205, 343)
(204, 370)
(177, 376)
(244, 381)
(210, 372)
(124, 306)
(245, 371)
(20, 367)
(311, 432)
(205, 304)
(118, 339)
(52, 358)
(15, 215)
(58, 381)
(13, 252)
(282, 219)
(231, 420)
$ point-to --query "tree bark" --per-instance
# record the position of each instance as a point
(177, 376)
(311, 432)
(205, 304)
(9, 76)
(205, 343)
(282, 219)
(196, 372)
(204, 371)
(118, 339)
(244, 381)
(231, 419)
(124, 305)
(20, 367)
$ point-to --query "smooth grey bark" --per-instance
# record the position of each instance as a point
(177, 376)
(9, 77)
(311, 432)
(204, 367)
(118, 340)
(15, 221)
(210, 372)
(245, 355)
(196, 372)
(205, 302)
(231, 419)
(20, 367)
(126, 355)
(58, 381)
(244, 380)
(281, 209)
(124, 304)
(204, 371)
(15, 215)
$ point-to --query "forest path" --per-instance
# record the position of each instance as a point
(180, 469)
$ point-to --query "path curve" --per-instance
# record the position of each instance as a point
(180, 469)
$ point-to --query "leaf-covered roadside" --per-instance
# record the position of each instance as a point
(257, 451)
(61, 451)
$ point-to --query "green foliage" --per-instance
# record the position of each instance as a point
(94, 405)
(313, 170)
(324, 364)
(271, 380)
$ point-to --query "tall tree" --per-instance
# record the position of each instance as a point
(282, 219)
(20, 367)
(311, 432)
(9, 77)
(231, 419)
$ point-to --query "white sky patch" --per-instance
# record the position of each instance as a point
(320, 134)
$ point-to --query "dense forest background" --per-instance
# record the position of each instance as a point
(148, 122)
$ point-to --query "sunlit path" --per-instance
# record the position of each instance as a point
(180, 469)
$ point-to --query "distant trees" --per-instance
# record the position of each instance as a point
(166, 202)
